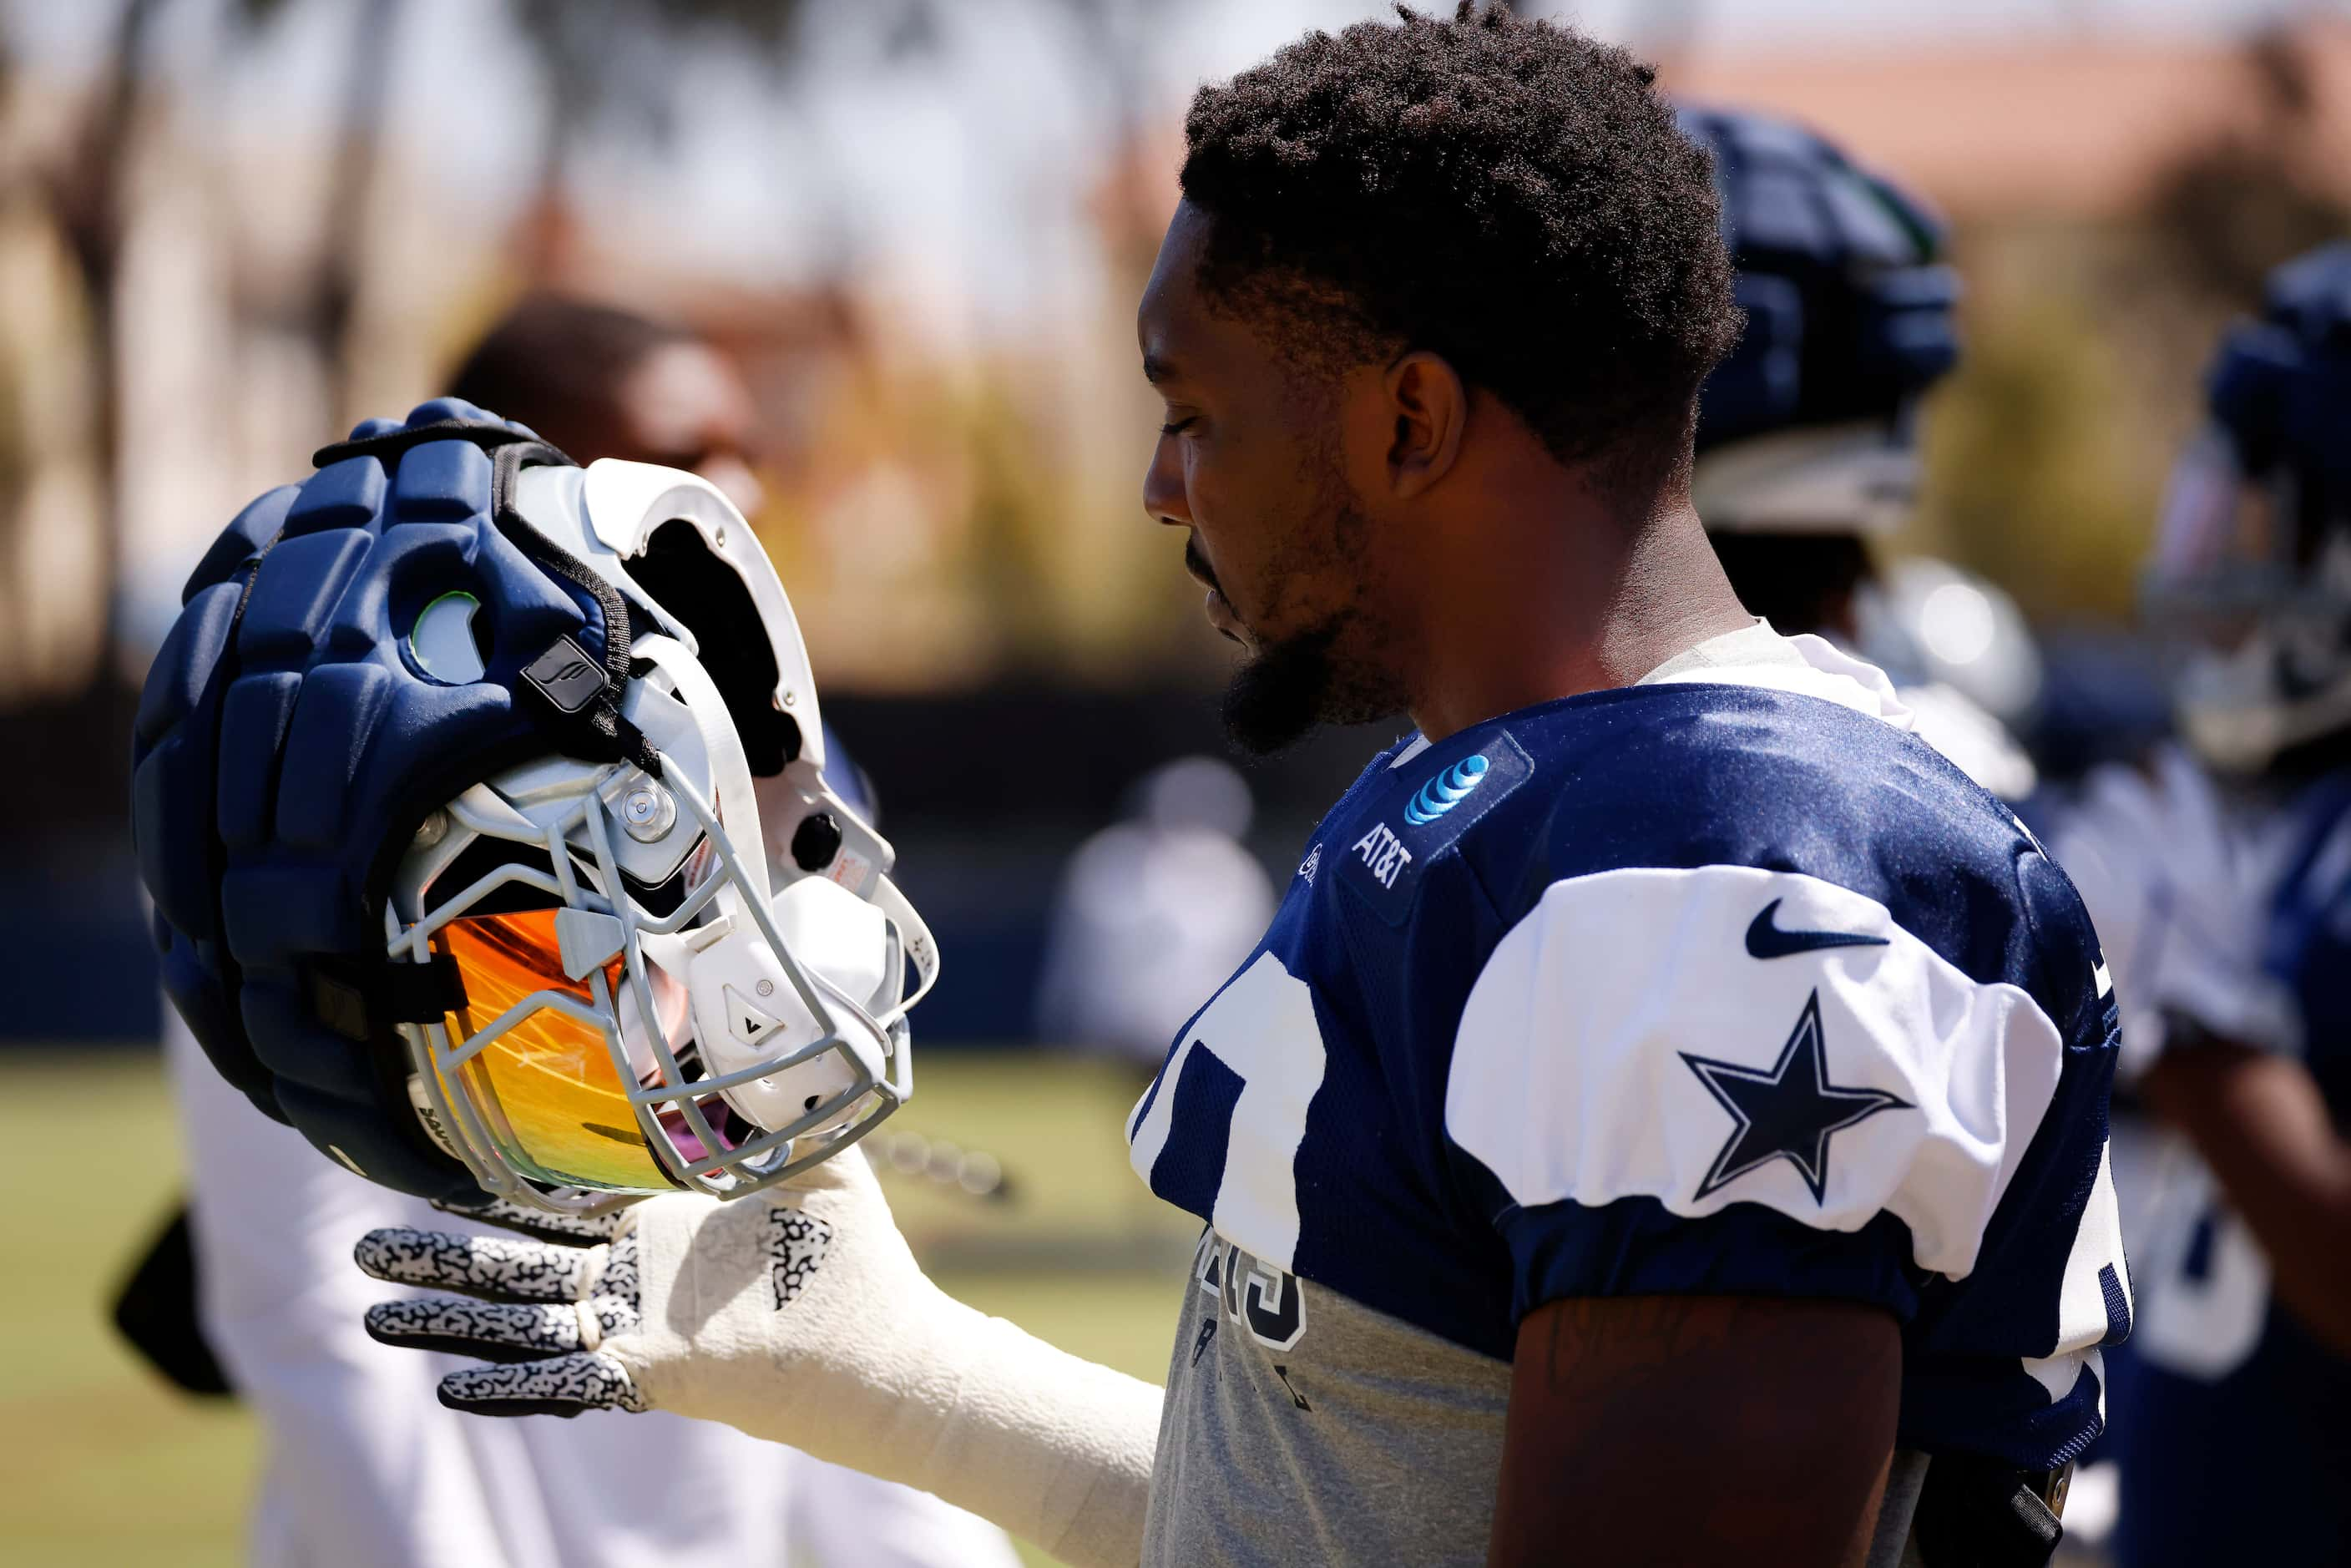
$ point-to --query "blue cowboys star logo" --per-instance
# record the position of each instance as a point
(1786, 1111)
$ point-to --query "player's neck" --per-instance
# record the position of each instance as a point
(1555, 608)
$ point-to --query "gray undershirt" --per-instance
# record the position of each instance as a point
(1302, 1426)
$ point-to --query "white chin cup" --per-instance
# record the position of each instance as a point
(747, 1011)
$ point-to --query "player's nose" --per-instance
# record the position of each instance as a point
(1164, 497)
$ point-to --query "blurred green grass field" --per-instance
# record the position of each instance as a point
(108, 1465)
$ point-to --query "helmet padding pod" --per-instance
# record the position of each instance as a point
(1807, 427)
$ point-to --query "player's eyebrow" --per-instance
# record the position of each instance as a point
(1156, 369)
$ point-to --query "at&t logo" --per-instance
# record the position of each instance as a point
(1445, 791)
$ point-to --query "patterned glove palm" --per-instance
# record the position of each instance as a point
(795, 1314)
(543, 1308)
(551, 1307)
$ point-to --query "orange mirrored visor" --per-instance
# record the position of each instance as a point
(547, 1087)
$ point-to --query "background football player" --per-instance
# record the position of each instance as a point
(363, 1465)
(1665, 1048)
(1808, 435)
(1153, 913)
(2220, 876)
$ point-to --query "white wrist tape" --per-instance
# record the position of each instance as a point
(801, 1316)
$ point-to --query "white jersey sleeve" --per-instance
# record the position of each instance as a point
(1728, 1035)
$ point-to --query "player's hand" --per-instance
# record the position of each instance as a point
(2177, 902)
(545, 1308)
(795, 1314)
(762, 1313)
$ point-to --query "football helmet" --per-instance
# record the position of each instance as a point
(1807, 427)
(521, 870)
(2253, 554)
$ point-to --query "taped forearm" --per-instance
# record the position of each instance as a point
(833, 1341)
(968, 1408)
(1049, 1446)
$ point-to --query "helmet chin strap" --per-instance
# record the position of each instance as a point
(742, 949)
(920, 950)
(731, 790)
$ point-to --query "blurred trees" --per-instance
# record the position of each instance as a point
(620, 67)
(312, 299)
(2086, 345)
(86, 192)
(2033, 479)
(957, 510)
(124, 129)
(89, 184)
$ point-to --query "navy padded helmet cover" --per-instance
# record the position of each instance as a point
(285, 747)
(2281, 385)
(1850, 314)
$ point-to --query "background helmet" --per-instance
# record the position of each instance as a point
(2253, 550)
(1806, 427)
(482, 799)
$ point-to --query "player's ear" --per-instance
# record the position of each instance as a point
(1430, 408)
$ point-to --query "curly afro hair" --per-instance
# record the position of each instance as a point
(1511, 195)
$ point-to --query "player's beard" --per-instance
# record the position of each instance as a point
(1337, 671)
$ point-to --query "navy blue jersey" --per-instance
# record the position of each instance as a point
(2233, 1424)
(1678, 988)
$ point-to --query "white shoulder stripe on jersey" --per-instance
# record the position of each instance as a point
(1573, 1076)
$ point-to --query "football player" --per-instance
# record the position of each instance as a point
(1807, 435)
(1663, 1123)
(2221, 874)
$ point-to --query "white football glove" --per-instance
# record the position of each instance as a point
(797, 1315)
(2178, 898)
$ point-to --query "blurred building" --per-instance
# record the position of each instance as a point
(2081, 127)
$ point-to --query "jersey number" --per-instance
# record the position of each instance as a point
(1261, 1031)
(1260, 1297)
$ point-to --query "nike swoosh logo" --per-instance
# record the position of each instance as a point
(1765, 940)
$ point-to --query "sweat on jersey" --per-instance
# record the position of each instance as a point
(1718, 984)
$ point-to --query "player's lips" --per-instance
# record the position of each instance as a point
(1218, 608)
